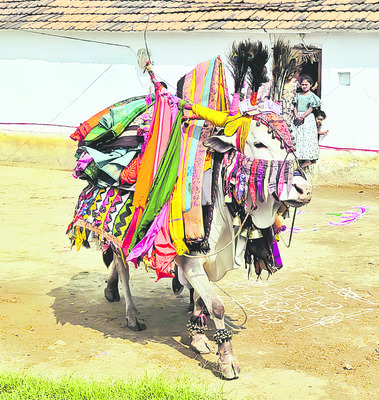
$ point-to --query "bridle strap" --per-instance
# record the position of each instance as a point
(292, 226)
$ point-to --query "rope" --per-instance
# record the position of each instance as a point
(37, 124)
(238, 304)
(78, 39)
(292, 226)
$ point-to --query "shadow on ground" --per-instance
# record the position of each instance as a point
(82, 302)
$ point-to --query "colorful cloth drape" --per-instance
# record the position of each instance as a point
(206, 86)
(85, 127)
(260, 178)
(163, 183)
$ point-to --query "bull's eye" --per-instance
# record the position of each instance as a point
(260, 145)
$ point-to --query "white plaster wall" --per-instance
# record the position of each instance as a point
(47, 79)
(354, 109)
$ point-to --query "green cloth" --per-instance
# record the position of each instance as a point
(164, 180)
(113, 124)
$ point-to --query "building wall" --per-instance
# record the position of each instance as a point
(45, 79)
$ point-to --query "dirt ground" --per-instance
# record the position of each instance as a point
(309, 332)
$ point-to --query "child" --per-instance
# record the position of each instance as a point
(320, 116)
(304, 124)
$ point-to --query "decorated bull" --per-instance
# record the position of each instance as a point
(191, 188)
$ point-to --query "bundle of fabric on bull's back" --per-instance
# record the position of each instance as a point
(122, 113)
(109, 150)
(121, 209)
(180, 178)
(113, 144)
(145, 220)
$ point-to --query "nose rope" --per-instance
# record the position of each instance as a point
(292, 226)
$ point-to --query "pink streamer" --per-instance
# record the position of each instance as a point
(346, 149)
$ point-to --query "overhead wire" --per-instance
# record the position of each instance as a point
(85, 90)
(60, 113)
(79, 39)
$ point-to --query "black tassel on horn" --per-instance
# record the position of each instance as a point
(238, 59)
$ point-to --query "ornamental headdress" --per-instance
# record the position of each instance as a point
(257, 72)
(284, 64)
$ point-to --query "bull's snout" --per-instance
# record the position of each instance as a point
(299, 194)
(304, 191)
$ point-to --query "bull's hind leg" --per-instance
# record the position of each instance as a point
(196, 276)
(199, 341)
(111, 291)
(133, 319)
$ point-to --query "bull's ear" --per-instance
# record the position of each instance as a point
(221, 144)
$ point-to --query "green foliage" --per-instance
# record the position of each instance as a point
(18, 386)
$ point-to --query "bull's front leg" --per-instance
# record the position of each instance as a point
(133, 319)
(195, 274)
(196, 325)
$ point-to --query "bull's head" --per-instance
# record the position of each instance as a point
(261, 136)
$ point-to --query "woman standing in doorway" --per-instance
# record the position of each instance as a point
(304, 124)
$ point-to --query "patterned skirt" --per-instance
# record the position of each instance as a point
(306, 139)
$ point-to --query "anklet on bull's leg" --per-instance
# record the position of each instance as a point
(199, 341)
(222, 335)
(197, 323)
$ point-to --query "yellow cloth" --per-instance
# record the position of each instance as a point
(80, 236)
(175, 225)
(231, 123)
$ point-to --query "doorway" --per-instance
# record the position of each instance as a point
(311, 59)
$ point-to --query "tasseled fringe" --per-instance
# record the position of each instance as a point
(180, 247)
(108, 256)
(260, 177)
(200, 247)
(80, 237)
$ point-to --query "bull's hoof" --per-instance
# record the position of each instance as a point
(112, 294)
(177, 287)
(136, 323)
(228, 363)
(229, 370)
(201, 344)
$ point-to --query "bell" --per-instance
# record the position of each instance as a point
(244, 233)
(228, 199)
(282, 209)
(237, 221)
(255, 234)
(278, 222)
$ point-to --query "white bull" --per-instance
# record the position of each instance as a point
(198, 272)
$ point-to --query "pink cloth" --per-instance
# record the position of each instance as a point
(165, 252)
(82, 164)
(147, 242)
(281, 179)
(235, 104)
(164, 131)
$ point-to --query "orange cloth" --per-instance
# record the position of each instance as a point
(145, 173)
(129, 173)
